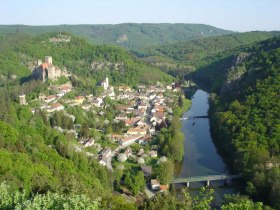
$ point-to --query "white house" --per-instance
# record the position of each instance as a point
(55, 107)
(106, 152)
(97, 102)
(49, 99)
(89, 142)
(155, 185)
(129, 139)
(102, 161)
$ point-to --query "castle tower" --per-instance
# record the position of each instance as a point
(39, 62)
(48, 59)
(51, 73)
(22, 99)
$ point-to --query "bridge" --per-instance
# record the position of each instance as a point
(206, 179)
(194, 117)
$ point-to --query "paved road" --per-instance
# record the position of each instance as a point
(148, 192)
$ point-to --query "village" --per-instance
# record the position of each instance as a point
(124, 120)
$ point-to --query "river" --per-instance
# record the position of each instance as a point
(201, 157)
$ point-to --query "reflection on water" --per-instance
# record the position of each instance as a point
(201, 157)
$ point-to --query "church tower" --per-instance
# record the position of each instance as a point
(22, 99)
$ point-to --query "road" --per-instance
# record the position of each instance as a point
(148, 192)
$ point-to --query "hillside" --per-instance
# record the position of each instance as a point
(185, 57)
(129, 35)
(91, 63)
(245, 118)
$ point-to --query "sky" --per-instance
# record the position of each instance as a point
(236, 15)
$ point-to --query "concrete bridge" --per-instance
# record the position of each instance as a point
(194, 117)
(207, 179)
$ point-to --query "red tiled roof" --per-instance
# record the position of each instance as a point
(163, 187)
(45, 65)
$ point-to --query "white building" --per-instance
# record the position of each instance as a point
(105, 83)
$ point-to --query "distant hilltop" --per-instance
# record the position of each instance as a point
(129, 35)
(60, 38)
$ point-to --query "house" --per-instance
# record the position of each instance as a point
(124, 88)
(130, 110)
(128, 152)
(86, 107)
(140, 123)
(133, 131)
(142, 105)
(116, 137)
(89, 142)
(155, 185)
(79, 99)
(129, 139)
(153, 153)
(131, 121)
(122, 157)
(152, 96)
(163, 188)
(168, 87)
(143, 141)
(101, 113)
(147, 170)
(157, 118)
(55, 107)
(121, 107)
(97, 102)
(106, 152)
(42, 96)
(49, 99)
(121, 116)
(102, 161)
(65, 88)
(140, 152)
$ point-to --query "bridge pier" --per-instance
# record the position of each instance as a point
(208, 183)
(188, 184)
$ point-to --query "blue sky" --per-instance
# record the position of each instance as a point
(237, 15)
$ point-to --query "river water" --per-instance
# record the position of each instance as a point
(201, 157)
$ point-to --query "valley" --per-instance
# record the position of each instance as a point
(103, 125)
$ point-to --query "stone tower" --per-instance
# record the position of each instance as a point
(51, 72)
(48, 59)
(39, 62)
(22, 99)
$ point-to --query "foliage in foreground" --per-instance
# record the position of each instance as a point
(18, 200)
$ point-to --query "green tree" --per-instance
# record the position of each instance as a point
(138, 182)
(238, 202)
(165, 171)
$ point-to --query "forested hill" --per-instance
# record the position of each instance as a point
(245, 119)
(185, 57)
(130, 35)
(89, 62)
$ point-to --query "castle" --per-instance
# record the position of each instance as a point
(46, 71)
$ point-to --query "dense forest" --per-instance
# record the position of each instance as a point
(129, 35)
(182, 58)
(245, 120)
